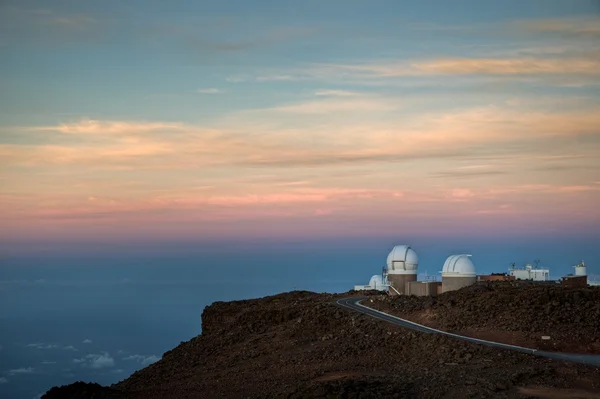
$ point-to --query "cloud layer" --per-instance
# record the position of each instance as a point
(458, 129)
(96, 361)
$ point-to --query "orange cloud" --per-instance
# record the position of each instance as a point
(572, 66)
(107, 156)
(519, 66)
(427, 136)
(90, 126)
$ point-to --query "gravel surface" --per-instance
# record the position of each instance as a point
(510, 312)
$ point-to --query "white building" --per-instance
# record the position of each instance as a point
(529, 273)
(377, 283)
(402, 268)
(580, 269)
(458, 272)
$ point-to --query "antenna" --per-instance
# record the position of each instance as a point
(537, 263)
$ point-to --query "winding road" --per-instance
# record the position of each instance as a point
(355, 305)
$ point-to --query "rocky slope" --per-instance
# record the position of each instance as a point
(515, 312)
(300, 345)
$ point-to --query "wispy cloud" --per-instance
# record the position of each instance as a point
(96, 361)
(337, 105)
(570, 27)
(20, 371)
(462, 193)
(52, 27)
(210, 91)
(236, 79)
(90, 126)
(522, 66)
(3, 380)
(543, 188)
(101, 361)
(73, 21)
(86, 341)
(500, 66)
(328, 148)
(70, 348)
(189, 201)
(431, 135)
(275, 78)
(335, 93)
(41, 345)
(221, 41)
(50, 18)
(466, 174)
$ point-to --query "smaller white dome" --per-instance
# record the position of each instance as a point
(376, 282)
(459, 266)
(402, 259)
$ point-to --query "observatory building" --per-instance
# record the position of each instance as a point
(529, 273)
(580, 269)
(579, 280)
(402, 264)
(458, 272)
(378, 283)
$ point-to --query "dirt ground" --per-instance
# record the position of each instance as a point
(510, 312)
(301, 345)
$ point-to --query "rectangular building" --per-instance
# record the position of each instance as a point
(529, 273)
(574, 281)
(423, 288)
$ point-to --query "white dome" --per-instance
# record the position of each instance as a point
(459, 266)
(376, 282)
(402, 260)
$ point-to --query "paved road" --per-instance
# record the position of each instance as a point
(354, 304)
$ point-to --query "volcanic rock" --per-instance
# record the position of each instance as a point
(274, 347)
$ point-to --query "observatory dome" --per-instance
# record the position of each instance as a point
(459, 266)
(402, 260)
(376, 282)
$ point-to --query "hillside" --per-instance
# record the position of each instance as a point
(517, 313)
(300, 345)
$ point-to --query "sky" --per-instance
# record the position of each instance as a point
(158, 156)
(149, 121)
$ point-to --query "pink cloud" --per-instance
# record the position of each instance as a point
(323, 212)
(461, 193)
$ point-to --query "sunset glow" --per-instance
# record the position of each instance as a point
(223, 124)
